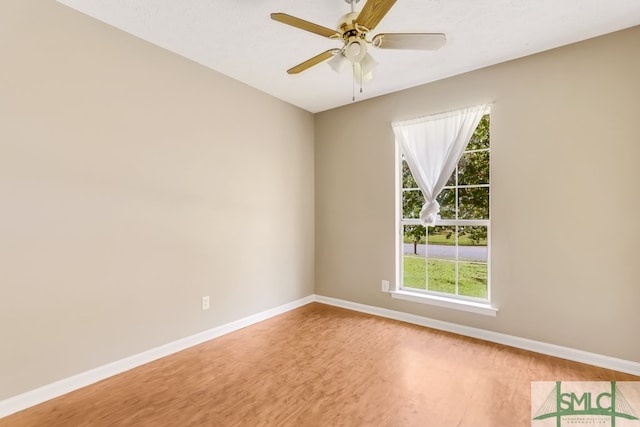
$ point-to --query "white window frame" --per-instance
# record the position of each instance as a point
(442, 299)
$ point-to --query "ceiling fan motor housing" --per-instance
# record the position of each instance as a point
(347, 26)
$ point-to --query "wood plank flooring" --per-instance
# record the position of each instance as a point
(321, 366)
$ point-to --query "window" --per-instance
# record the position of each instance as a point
(450, 259)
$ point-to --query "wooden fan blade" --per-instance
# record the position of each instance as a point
(373, 12)
(412, 41)
(304, 25)
(312, 61)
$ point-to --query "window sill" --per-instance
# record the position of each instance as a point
(456, 304)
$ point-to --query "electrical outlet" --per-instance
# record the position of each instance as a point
(385, 286)
(205, 303)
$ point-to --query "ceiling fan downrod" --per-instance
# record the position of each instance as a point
(352, 3)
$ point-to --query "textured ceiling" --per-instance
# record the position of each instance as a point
(238, 38)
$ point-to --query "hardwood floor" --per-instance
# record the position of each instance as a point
(321, 366)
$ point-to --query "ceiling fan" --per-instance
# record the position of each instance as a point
(353, 31)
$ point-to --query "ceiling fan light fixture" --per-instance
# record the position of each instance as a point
(355, 50)
(360, 75)
(338, 63)
(364, 79)
(367, 64)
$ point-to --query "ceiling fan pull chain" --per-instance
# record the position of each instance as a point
(353, 83)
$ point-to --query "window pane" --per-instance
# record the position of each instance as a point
(415, 238)
(407, 178)
(473, 168)
(442, 235)
(472, 243)
(473, 203)
(414, 262)
(452, 180)
(414, 272)
(447, 200)
(481, 137)
(442, 276)
(412, 201)
(472, 279)
(442, 242)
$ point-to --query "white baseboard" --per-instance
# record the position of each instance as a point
(581, 356)
(58, 388)
(83, 379)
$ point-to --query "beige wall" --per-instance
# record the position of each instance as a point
(132, 183)
(565, 199)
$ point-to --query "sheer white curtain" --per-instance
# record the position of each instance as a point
(432, 146)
